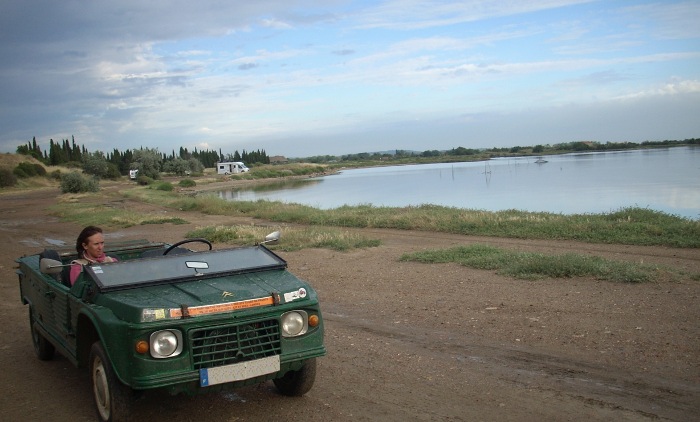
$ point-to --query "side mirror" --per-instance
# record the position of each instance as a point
(271, 238)
(50, 266)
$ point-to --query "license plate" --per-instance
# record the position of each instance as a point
(239, 371)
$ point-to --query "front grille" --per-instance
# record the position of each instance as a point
(229, 344)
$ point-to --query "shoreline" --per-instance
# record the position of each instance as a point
(240, 183)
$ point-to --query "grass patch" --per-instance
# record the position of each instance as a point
(187, 183)
(163, 220)
(631, 226)
(104, 215)
(293, 238)
(627, 226)
(533, 266)
(164, 186)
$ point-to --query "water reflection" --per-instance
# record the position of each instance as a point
(667, 180)
(256, 192)
(487, 173)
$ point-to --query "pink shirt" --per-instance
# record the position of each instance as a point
(77, 267)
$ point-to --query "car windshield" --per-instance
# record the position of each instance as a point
(176, 268)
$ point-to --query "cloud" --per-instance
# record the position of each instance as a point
(604, 77)
(665, 20)
(344, 52)
(275, 23)
(417, 14)
(242, 74)
(247, 66)
(675, 87)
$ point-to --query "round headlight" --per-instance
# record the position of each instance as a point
(294, 323)
(166, 343)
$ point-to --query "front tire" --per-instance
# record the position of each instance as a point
(43, 348)
(112, 399)
(298, 383)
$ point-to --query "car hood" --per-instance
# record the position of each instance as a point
(234, 293)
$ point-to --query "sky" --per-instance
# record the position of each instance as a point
(303, 78)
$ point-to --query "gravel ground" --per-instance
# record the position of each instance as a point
(409, 341)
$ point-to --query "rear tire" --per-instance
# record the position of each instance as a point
(112, 399)
(43, 348)
(297, 383)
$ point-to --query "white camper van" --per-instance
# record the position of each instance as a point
(231, 167)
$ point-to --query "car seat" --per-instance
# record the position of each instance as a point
(64, 276)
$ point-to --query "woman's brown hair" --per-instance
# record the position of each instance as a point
(83, 237)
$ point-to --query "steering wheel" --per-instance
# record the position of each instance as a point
(182, 242)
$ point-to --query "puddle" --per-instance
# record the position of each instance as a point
(54, 242)
(46, 241)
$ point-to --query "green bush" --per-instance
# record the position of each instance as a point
(97, 165)
(56, 175)
(187, 183)
(27, 168)
(24, 170)
(7, 178)
(144, 180)
(166, 186)
(76, 183)
(112, 172)
(39, 169)
(20, 172)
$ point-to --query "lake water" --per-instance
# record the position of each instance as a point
(666, 180)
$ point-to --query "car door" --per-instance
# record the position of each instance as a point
(56, 313)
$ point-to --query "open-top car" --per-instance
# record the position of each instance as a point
(164, 316)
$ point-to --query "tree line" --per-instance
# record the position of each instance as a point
(148, 161)
(560, 148)
(151, 161)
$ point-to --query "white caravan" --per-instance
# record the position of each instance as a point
(231, 167)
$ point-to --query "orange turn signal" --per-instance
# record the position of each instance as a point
(313, 320)
(142, 347)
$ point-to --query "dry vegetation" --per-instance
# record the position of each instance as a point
(10, 161)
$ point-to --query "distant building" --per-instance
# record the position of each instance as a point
(278, 159)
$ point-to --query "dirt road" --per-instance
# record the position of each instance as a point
(410, 341)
